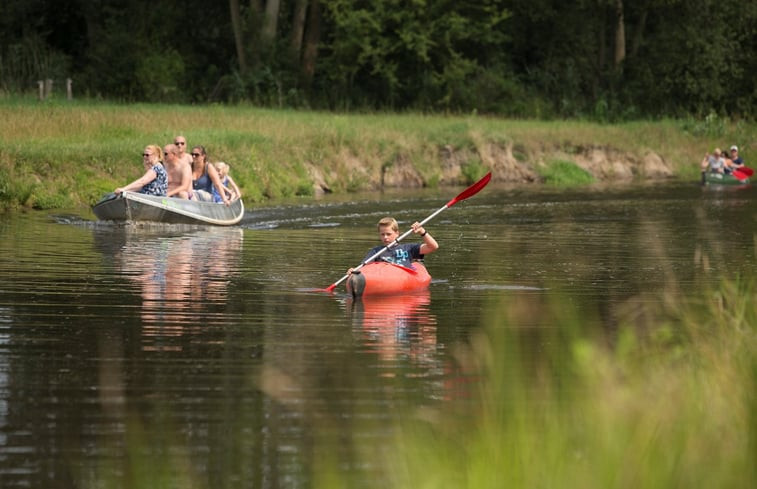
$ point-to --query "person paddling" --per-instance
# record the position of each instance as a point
(401, 254)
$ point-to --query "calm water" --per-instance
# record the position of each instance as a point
(202, 356)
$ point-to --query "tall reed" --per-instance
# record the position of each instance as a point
(671, 404)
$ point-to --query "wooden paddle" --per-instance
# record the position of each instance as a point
(468, 192)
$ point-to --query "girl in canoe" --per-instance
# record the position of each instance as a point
(155, 179)
(229, 185)
(402, 254)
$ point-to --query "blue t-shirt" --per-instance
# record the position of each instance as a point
(159, 186)
(402, 254)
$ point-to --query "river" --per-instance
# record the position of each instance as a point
(206, 356)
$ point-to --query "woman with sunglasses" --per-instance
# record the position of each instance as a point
(205, 177)
(155, 179)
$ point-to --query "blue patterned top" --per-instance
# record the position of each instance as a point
(159, 186)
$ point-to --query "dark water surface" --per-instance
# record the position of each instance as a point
(202, 357)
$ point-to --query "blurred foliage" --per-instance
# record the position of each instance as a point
(515, 58)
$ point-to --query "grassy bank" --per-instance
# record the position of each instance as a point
(60, 154)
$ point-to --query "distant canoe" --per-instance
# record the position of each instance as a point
(709, 178)
(382, 278)
(132, 206)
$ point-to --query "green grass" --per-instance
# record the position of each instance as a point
(565, 173)
(73, 152)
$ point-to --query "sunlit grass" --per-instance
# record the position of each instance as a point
(76, 151)
(565, 173)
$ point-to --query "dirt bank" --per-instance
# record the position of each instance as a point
(508, 163)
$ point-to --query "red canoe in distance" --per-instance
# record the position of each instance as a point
(382, 278)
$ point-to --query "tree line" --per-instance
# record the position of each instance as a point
(601, 59)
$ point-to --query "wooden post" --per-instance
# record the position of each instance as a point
(69, 89)
(41, 86)
(48, 87)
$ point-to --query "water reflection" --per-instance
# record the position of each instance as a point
(396, 327)
(181, 348)
(178, 275)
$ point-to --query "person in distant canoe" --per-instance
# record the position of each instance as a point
(155, 179)
(205, 178)
(402, 254)
(714, 163)
(179, 174)
(736, 160)
(229, 185)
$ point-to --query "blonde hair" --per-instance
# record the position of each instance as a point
(222, 167)
(389, 221)
(156, 151)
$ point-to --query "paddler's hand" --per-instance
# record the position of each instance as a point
(418, 229)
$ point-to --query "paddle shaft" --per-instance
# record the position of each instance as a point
(470, 191)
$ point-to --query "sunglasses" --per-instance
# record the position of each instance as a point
(180, 143)
(195, 155)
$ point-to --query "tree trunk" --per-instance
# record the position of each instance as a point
(236, 25)
(312, 39)
(270, 21)
(639, 33)
(602, 43)
(620, 34)
(298, 28)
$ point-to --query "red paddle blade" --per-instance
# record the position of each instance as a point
(327, 290)
(472, 190)
(739, 174)
(745, 170)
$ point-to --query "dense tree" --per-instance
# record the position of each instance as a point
(605, 59)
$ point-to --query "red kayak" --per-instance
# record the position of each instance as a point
(382, 278)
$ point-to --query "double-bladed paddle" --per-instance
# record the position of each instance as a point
(468, 192)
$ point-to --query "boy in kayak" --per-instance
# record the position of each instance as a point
(401, 254)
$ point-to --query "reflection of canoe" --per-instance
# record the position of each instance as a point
(132, 206)
(377, 307)
(381, 278)
(709, 178)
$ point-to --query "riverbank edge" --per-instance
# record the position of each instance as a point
(64, 156)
